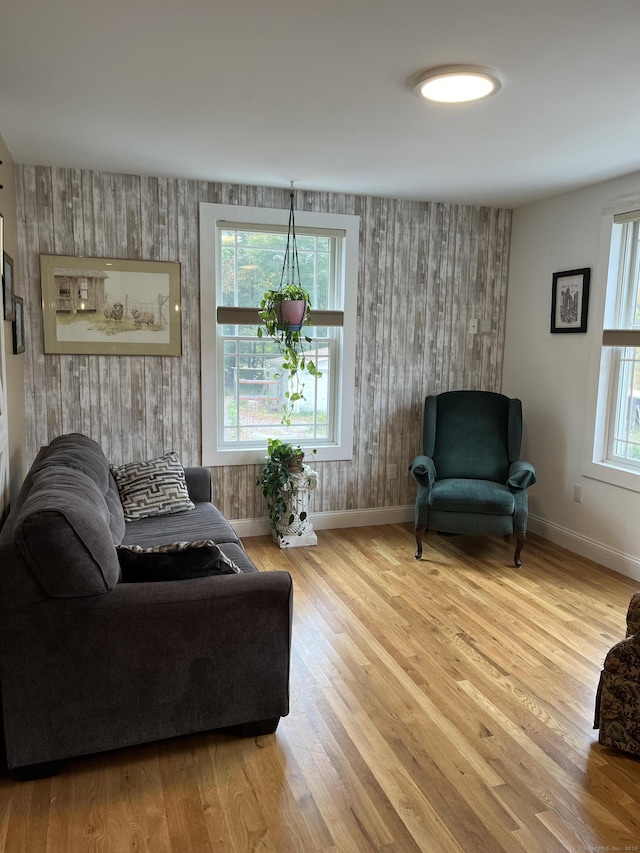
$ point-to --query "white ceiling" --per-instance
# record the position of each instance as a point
(264, 91)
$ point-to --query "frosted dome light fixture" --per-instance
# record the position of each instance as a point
(456, 84)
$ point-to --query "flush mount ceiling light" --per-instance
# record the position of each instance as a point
(456, 84)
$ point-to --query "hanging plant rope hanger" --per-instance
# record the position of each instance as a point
(290, 276)
(283, 313)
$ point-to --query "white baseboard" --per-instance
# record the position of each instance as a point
(329, 520)
(624, 564)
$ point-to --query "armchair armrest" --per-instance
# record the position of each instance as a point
(423, 470)
(521, 475)
(199, 484)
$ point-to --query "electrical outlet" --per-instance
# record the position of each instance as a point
(473, 327)
(577, 493)
(392, 472)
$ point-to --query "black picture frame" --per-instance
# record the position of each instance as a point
(7, 287)
(570, 301)
(17, 325)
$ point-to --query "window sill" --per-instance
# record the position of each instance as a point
(615, 475)
(328, 453)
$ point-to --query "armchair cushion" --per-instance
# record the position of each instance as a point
(476, 496)
(472, 436)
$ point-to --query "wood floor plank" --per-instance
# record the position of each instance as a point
(573, 803)
(427, 827)
(437, 706)
(58, 812)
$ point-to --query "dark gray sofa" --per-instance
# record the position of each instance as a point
(89, 663)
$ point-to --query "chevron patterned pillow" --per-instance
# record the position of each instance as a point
(155, 487)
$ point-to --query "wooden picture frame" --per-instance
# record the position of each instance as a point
(110, 306)
(570, 300)
(8, 287)
(17, 326)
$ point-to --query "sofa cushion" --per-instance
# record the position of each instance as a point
(235, 552)
(78, 451)
(62, 534)
(117, 524)
(151, 488)
(82, 453)
(175, 561)
(204, 522)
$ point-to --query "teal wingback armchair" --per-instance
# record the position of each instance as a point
(470, 479)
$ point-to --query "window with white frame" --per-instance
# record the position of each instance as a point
(617, 441)
(243, 389)
(622, 344)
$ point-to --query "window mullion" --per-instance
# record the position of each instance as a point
(635, 276)
(622, 294)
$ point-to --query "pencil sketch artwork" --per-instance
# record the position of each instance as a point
(95, 304)
(104, 306)
(569, 302)
(569, 305)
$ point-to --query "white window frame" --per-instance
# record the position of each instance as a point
(603, 370)
(213, 452)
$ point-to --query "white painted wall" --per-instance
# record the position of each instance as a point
(14, 363)
(550, 373)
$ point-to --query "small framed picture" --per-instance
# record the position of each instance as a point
(7, 287)
(570, 300)
(18, 326)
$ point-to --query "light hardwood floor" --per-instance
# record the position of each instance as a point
(444, 705)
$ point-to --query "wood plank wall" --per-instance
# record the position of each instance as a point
(425, 269)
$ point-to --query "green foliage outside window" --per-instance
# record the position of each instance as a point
(252, 263)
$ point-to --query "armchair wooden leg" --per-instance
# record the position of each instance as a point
(419, 532)
(520, 540)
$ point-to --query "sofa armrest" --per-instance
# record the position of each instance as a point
(144, 662)
(199, 484)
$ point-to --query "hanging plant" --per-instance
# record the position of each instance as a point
(283, 314)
